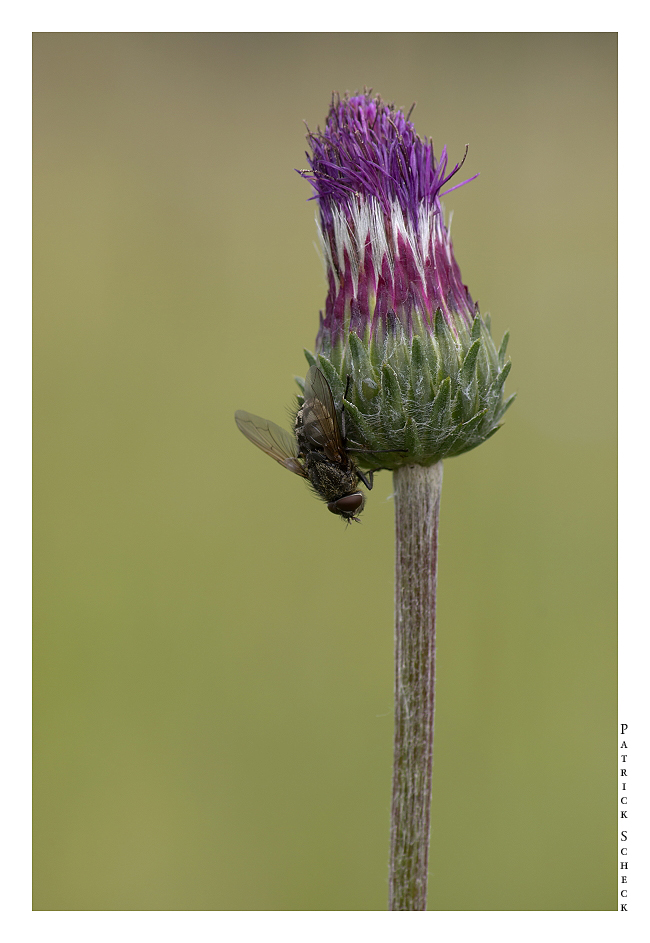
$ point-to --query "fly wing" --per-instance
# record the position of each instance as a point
(319, 419)
(272, 439)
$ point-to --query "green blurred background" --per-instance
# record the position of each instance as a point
(213, 650)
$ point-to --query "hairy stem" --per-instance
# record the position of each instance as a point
(417, 506)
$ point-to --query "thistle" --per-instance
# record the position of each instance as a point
(426, 378)
(412, 364)
(405, 374)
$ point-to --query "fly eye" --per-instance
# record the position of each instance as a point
(347, 505)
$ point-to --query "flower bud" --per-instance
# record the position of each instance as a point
(426, 380)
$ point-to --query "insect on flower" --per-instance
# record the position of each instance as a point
(318, 449)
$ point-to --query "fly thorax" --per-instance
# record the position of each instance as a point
(330, 480)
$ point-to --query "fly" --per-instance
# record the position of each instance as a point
(317, 450)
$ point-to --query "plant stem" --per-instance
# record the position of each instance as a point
(417, 507)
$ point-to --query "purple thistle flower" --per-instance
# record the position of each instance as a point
(387, 250)
(401, 338)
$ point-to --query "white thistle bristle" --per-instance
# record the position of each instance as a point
(365, 220)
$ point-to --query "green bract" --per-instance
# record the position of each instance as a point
(425, 399)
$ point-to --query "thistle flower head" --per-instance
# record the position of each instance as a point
(398, 318)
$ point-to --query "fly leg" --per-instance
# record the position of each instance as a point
(368, 482)
(345, 396)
